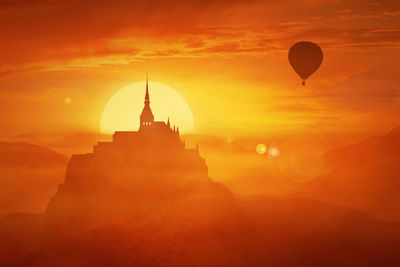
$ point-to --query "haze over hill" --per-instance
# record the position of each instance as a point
(210, 228)
(29, 176)
(145, 199)
(120, 214)
(258, 137)
(364, 176)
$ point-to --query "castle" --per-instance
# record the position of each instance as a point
(135, 167)
(155, 143)
(143, 199)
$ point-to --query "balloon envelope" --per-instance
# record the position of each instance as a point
(305, 58)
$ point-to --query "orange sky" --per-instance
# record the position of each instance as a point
(228, 59)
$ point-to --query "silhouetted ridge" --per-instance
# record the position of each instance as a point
(22, 154)
(29, 176)
(390, 143)
(364, 176)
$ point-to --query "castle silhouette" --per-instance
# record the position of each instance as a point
(155, 141)
(150, 134)
(135, 167)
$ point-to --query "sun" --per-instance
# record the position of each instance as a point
(122, 111)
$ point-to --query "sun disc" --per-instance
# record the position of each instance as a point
(122, 111)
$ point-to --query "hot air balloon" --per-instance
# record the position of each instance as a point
(305, 58)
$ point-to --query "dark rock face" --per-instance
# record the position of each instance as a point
(152, 200)
(134, 170)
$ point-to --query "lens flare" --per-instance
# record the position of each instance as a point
(68, 100)
(273, 151)
(261, 149)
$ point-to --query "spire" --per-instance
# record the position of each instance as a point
(177, 130)
(168, 124)
(147, 97)
(146, 117)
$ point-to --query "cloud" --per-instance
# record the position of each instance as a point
(377, 88)
(49, 31)
(53, 35)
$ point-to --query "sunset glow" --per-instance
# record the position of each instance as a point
(233, 71)
(122, 111)
(199, 133)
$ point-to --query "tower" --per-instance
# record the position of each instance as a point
(146, 117)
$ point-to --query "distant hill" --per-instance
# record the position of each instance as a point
(21, 154)
(29, 176)
(364, 176)
(66, 145)
(77, 143)
(27, 138)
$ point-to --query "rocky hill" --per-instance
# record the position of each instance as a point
(156, 206)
